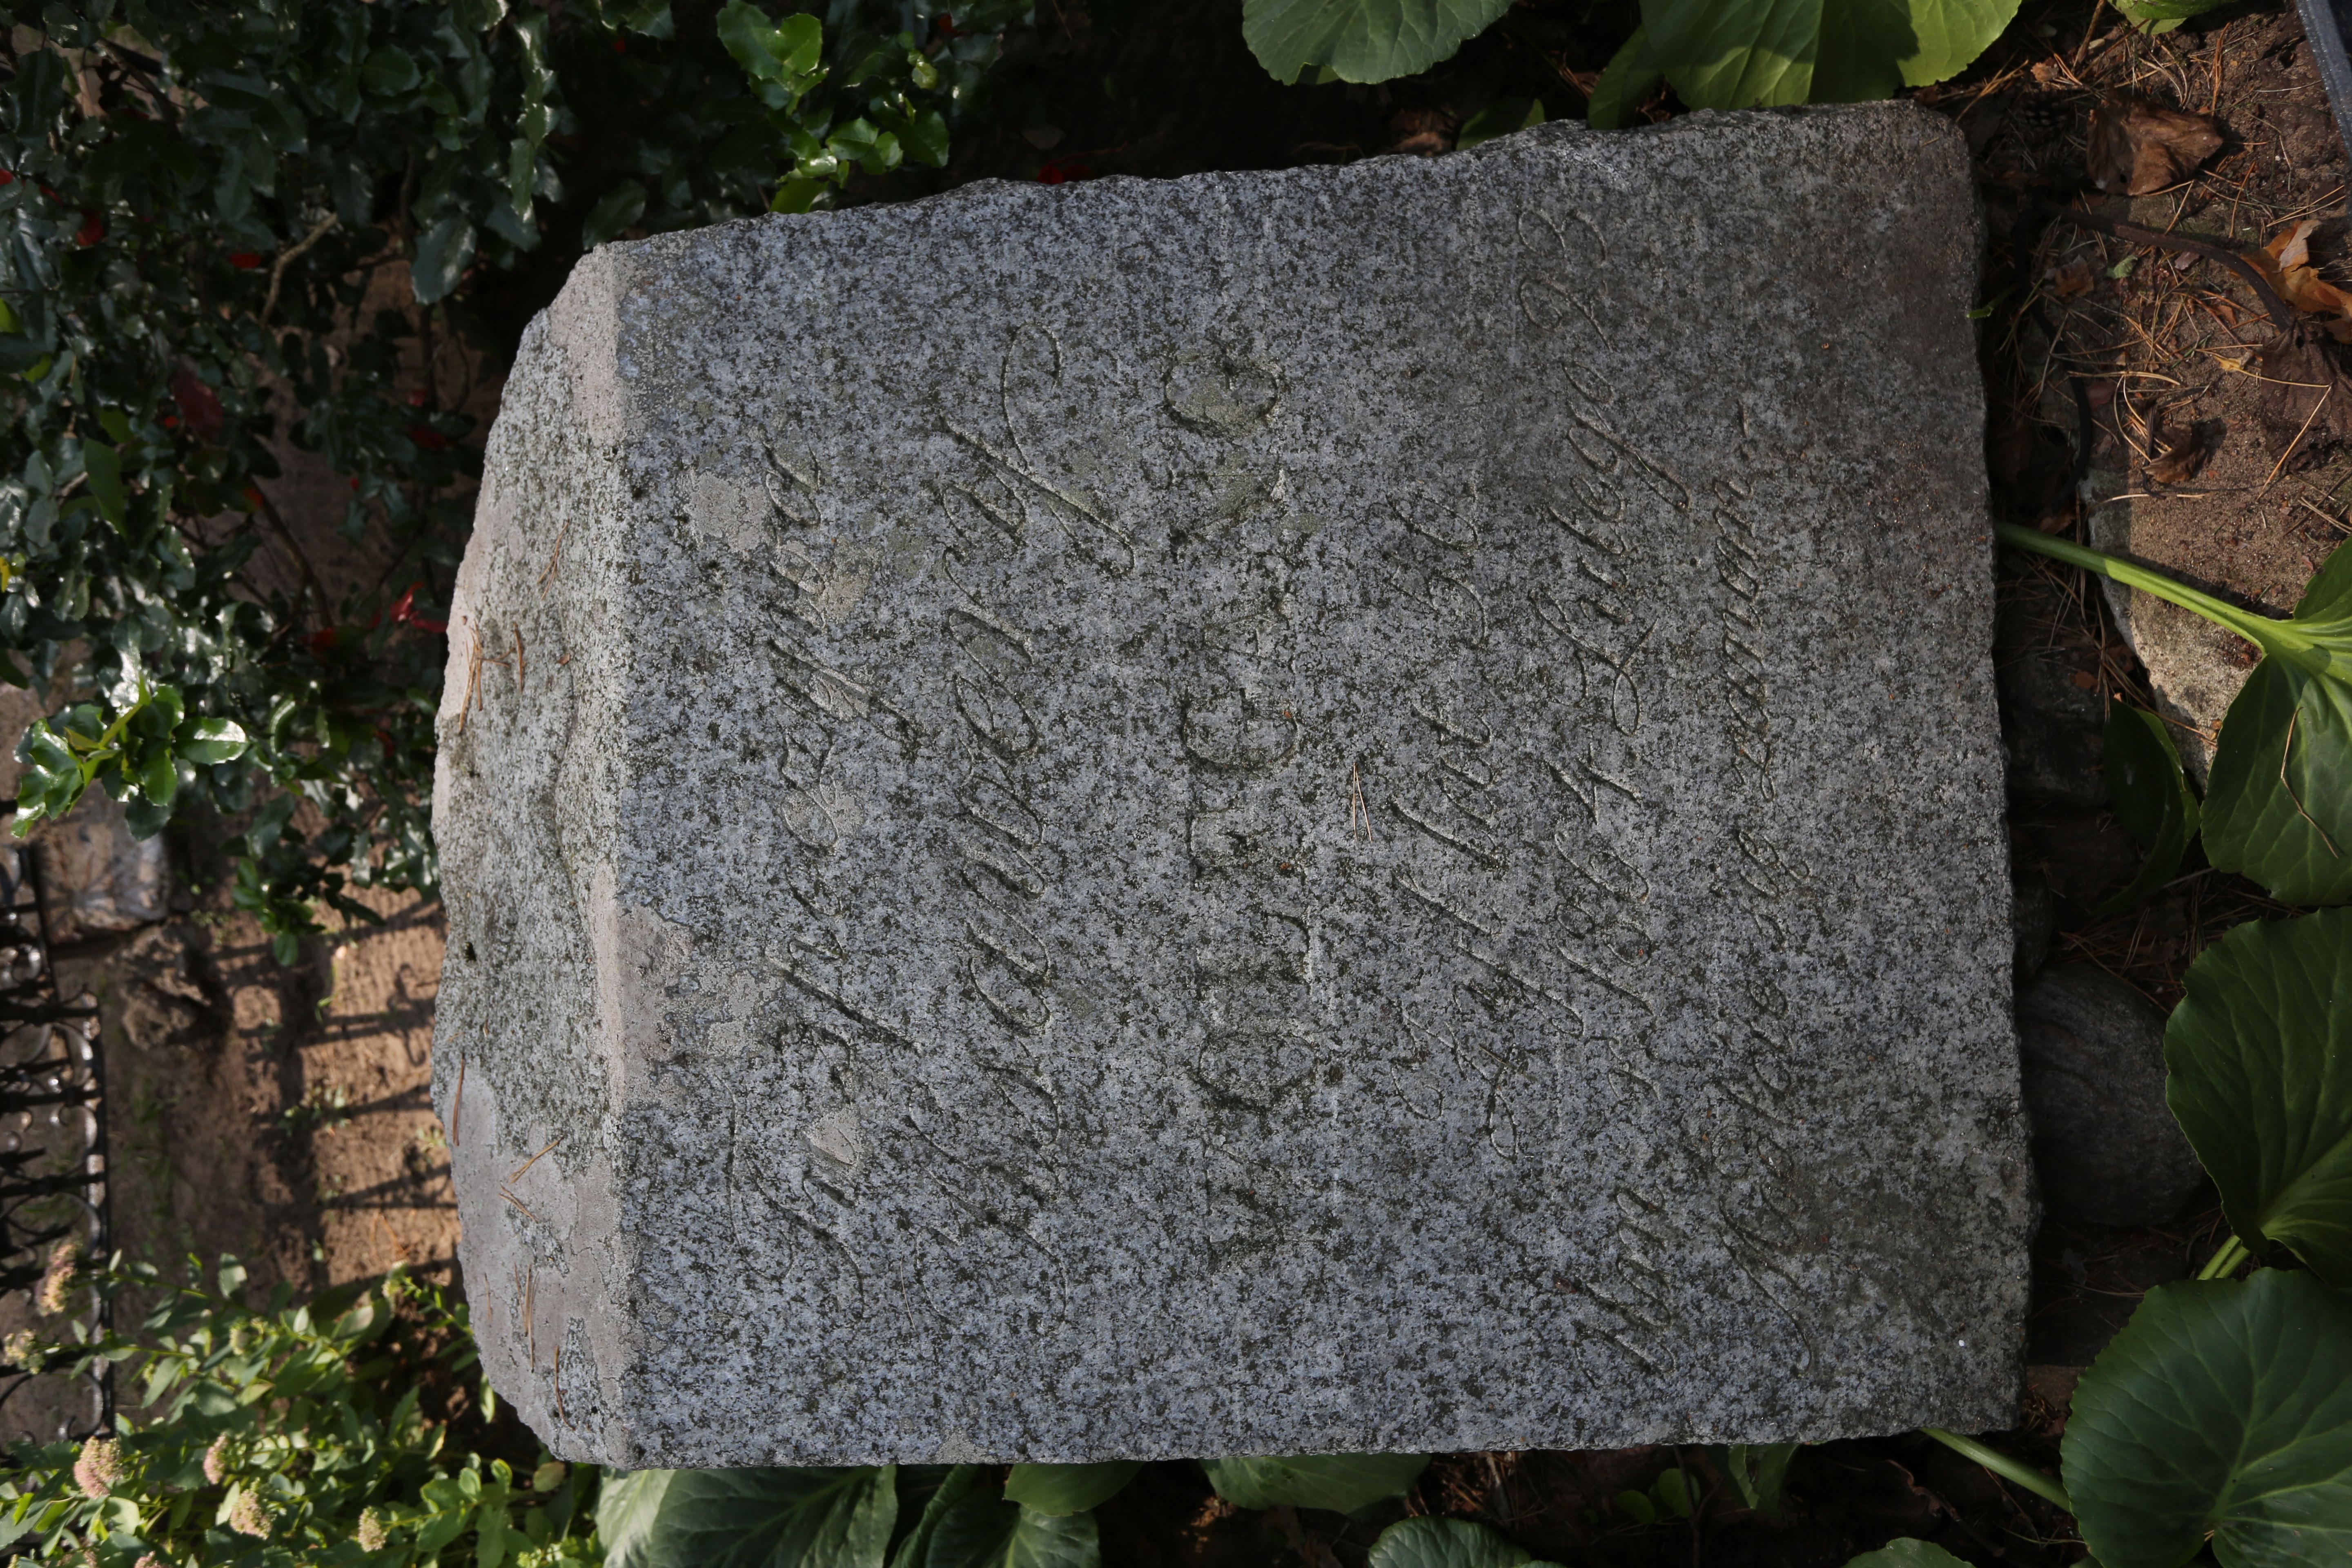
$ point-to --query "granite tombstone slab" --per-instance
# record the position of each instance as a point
(1348, 809)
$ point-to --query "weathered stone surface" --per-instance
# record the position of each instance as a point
(1347, 809)
(2106, 1146)
(95, 877)
(2195, 668)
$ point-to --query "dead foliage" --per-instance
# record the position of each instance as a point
(2140, 146)
(2180, 453)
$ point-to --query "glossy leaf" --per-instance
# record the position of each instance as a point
(1630, 76)
(1755, 1471)
(442, 254)
(750, 1517)
(984, 1531)
(1907, 1551)
(2278, 807)
(1431, 1543)
(1361, 40)
(208, 741)
(783, 53)
(2222, 1407)
(614, 211)
(2151, 798)
(1341, 1482)
(103, 464)
(1068, 1488)
(2258, 1057)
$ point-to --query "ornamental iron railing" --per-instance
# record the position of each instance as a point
(53, 1156)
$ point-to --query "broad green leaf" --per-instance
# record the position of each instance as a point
(1340, 1482)
(1907, 1551)
(1755, 1471)
(1630, 76)
(2259, 1060)
(1947, 36)
(2278, 807)
(952, 1490)
(1429, 1542)
(1737, 53)
(753, 1517)
(984, 1531)
(441, 257)
(2151, 798)
(1361, 40)
(2163, 16)
(1067, 1488)
(2224, 1405)
(1499, 118)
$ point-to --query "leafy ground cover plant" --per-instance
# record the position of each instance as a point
(2279, 805)
(287, 1433)
(194, 201)
(1717, 53)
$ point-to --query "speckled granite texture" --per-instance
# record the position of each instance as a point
(1347, 809)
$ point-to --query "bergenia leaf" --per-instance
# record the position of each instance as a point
(2258, 1063)
(2151, 798)
(1361, 40)
(1341, 1482)
(2224, 1406)
(2278, 807)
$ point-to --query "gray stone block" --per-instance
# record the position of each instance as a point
(1349, 809)
(2105, 1142)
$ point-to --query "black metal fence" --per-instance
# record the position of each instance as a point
(53, 1165)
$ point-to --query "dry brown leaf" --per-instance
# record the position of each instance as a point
(2184, 451)
(2285, 264)
(2139, 145)
(2073, 280)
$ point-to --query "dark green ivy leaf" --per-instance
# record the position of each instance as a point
(614, 211)
(441, 257)
(389, 71)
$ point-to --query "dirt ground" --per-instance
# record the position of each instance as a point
(280, 1114)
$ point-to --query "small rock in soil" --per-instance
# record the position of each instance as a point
(2107, 1149)
(96, 877)
(2194, 667)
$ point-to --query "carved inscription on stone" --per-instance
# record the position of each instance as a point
(1257, 814)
